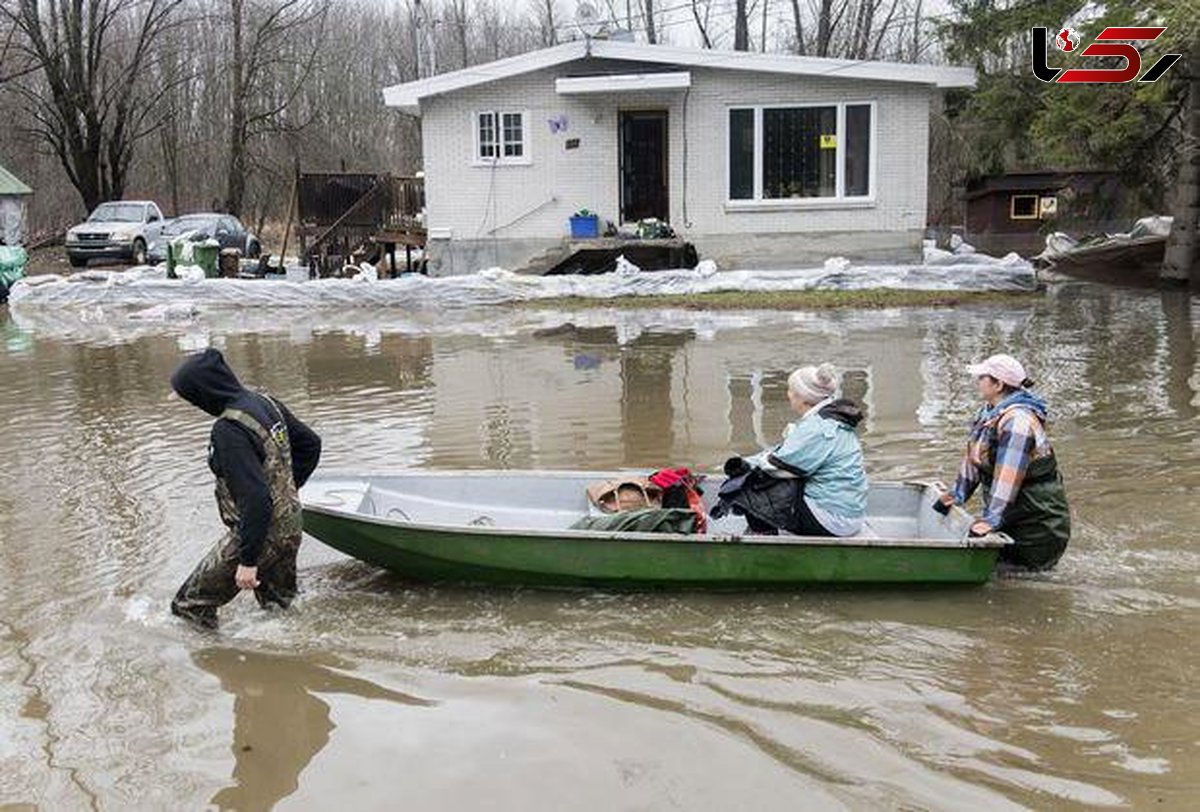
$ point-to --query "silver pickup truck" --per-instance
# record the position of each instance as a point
(121, 229)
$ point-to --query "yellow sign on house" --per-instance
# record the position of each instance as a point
(828, 141)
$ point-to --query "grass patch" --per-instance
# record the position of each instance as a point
(875, 298)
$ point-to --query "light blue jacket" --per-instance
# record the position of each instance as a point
(828, 451)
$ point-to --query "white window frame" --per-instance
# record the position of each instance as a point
(1012, 206)
(839, 199)
(500, 159)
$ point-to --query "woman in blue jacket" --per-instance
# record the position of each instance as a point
(813, 483)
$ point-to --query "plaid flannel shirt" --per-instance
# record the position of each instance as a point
(1011, 440)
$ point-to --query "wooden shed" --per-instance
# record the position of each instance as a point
(1014, 211)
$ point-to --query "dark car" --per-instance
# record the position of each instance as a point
(224, 228)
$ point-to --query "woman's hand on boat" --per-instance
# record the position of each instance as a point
(246, 577)
(981, 528)
(946, 499)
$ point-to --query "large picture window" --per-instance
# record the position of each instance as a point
(782, 153)
(500, 137)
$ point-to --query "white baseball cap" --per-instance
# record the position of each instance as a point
(1004, 368)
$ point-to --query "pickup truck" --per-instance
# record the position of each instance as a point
(121, 229)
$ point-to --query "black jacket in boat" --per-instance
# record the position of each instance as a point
(236, 453)
(771, 500)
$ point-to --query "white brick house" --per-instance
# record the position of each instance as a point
(760, 160)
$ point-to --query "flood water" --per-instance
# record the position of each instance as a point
(1073, 689)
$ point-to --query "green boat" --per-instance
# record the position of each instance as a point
(513, 528)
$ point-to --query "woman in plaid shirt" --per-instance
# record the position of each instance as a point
(1009, 454)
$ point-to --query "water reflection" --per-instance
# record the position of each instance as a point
(280, 721)
(1182, 383)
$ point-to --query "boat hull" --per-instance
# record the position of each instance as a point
(540, 560)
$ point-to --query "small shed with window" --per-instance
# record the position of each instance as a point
(760, 160)
(1014, 211)
(13, 196)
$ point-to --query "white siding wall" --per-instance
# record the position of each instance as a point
(533, 202)
(902, 129)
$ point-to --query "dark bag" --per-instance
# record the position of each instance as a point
(769, 503)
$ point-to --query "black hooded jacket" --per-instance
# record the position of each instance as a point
(235, 453)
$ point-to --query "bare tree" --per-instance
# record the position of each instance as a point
(741, 27)
(458, 17)
(84, 88)
(915, 52)
(547, 13)
(648, 16)
(702, 20)
(267, 71)
(765, 20)
(798, 22)
(827, 24)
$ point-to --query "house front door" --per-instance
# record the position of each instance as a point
(644, 165)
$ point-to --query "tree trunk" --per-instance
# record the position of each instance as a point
(460, 29)
(551, 37)
(916, 35)
(741, 27)
(799, 23)
(701, 24)
(1181, 263)
(651, 33)
(765, 8)
(824, 27)
(235, 180)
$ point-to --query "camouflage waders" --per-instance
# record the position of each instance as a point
(211, 583)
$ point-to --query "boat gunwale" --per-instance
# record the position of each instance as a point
(994, 540)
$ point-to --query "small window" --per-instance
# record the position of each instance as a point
(1024, 207)
(858, 150)
(514, 139)
(741, 154)
(487, 136)
(500, 137)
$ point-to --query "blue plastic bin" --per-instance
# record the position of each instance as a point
(585, 227)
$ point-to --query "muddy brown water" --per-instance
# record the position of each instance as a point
(1074, 689)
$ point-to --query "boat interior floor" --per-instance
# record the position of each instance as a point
(546, 503)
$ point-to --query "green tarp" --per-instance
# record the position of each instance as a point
(651, 520)
(12, 267)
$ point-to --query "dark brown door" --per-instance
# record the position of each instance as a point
(644, 165)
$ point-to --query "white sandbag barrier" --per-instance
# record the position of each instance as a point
(140, 288)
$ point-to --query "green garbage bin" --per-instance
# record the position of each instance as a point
(206, 255)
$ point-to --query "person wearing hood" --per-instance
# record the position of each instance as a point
(813, 483)
(1009, 453)
(261, 455)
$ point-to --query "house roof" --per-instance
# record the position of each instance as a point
(408, 96)
(10, 184)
